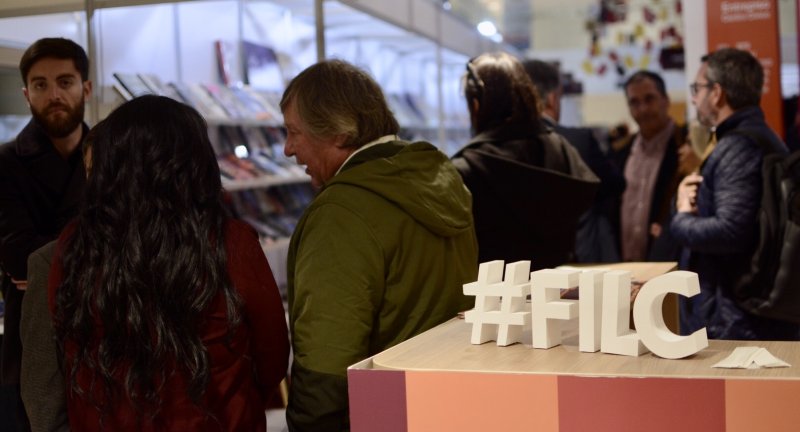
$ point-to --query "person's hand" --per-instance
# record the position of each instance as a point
(655, 230)
(21, 285)
(687, 194)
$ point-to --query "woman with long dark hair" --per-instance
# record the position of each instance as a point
(165, 310)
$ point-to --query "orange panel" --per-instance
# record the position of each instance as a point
(762, 405)
(455, 401)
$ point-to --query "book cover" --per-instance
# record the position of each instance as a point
(261, 67)
(255, 107)
(132, 83)
(154, 83)
(228, 101)
(224, 52)
(125, 94)
(182, 90)
(206, 104)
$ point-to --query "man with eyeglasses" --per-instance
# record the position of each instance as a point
(649, 161)
(716, 218)
(41, 180)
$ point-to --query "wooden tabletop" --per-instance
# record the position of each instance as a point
(447, 348)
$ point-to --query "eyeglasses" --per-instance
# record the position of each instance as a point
(696, 86)
(472, 75)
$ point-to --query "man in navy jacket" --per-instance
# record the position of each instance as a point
(717, 210)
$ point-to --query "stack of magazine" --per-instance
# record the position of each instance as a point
(248, 123)
(274, 211)
(218, 103)
(265, 188)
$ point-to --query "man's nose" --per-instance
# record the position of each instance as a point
(56, 93)
(288, 148)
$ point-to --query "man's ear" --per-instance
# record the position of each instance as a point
(27, 97)
(340, 141)
(718, 96)
(87, 90)
(552, 99)
(475, 104)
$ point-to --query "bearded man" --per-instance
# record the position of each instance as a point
(41, 179)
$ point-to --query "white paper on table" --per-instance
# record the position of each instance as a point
(749, 358)
(765, 358)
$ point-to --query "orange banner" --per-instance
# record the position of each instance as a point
(751, 25)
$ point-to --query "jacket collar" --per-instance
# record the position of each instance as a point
(37, 152)
(32, 141)
(383, 149)
(507, 133)
(736, 119)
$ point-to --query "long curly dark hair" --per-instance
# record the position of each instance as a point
(146, 259)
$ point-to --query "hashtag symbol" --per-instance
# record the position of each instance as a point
(499, 312)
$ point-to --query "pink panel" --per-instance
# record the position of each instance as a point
(377, 400)
(641, 404)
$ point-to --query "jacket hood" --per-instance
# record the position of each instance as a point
(416, 177)
(541, 194)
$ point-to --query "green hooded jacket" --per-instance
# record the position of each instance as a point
(379, 256)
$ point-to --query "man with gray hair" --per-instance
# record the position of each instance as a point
(382, 252)
(717, 209)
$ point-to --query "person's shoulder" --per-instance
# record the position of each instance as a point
(576, 130)
(236, 229)
(8, 151)
(44, 254)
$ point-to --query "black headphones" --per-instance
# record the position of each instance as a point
(472, 76)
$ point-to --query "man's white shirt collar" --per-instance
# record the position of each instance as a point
(381, 140)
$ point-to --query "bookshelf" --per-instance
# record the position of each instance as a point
(263, 187)
(231, 59)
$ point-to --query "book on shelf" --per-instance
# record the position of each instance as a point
(132, 84)
(182, 90)
(224, 52)
(263, 228)
(261, 67)
(269, 100)
(156, 86)
(274, 135)
(231, 137)
(121, 91)
(223, 97)
(232, 170)
(256, 139)
(205, 103)
(255, 105)
(270, 166)
(251, 202)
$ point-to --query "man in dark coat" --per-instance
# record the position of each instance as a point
(717, 210)
(41, 179)
(529, 185)
(595, 240)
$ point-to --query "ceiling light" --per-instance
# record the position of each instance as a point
(487, 28)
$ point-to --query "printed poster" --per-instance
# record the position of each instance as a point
(751, 25)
